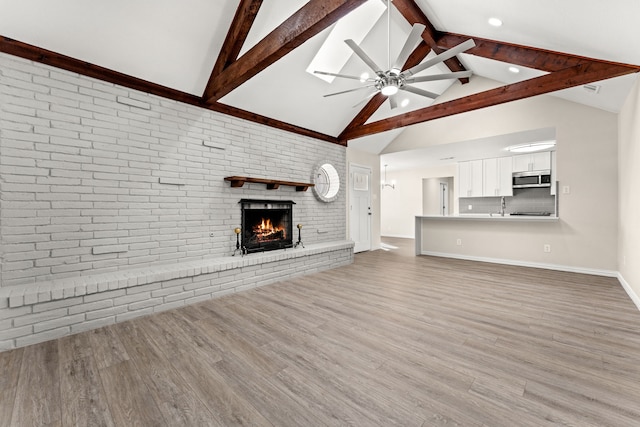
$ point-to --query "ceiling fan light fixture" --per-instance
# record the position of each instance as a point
(389, 90)
(364, 76)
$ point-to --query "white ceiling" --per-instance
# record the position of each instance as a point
(175, 44)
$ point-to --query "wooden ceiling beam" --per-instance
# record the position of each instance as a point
(413, 14)
(236, 36)
(583, 73)
(43, 56)
(309, 20)
(539, 59)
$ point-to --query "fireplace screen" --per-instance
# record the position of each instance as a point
(266, 224)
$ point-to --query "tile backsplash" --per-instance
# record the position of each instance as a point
(523, 200)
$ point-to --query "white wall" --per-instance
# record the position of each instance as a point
(587, 158)
(629, 201)
(400, 206)
(431, 196)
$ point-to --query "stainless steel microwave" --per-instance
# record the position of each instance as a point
(532, 179)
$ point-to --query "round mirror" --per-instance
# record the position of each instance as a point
(327, 182)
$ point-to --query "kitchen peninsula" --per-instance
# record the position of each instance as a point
(489, 237)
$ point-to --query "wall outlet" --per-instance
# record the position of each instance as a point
(470, 207)
(459, 242)
(547, 248)
(566, 189)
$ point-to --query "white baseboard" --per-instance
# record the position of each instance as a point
(398, 236)
(632, 294)
(595, 272)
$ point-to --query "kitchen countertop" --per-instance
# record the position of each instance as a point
(494, 217)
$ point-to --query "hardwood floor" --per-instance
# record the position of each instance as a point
(391, 340)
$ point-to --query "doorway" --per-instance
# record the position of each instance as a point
(360, 207)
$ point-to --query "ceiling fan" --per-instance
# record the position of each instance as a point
(394, 79)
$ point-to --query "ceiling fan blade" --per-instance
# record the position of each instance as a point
(348, 90)
(418, 91)
(393, 102)
(445, 76)
(368, 97)
(441, 57)
(412, 41)
(365, 58)
(344, 76)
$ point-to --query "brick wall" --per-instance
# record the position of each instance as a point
(97, 178)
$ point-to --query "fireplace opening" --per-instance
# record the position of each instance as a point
(266, 225)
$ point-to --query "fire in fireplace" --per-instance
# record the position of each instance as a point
(266, 225)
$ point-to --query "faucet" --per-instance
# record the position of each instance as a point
(503, 205)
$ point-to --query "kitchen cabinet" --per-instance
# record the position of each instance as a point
(470, 179)
(497, 177)
(532, 162)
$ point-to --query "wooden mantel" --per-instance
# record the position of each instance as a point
(272, 184)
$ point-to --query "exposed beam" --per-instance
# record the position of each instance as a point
(413, 14)
(242, 21)
(43, 56)
(308, 21)
(267, 121)
(525, 56)
(376, 102)
(577, 75)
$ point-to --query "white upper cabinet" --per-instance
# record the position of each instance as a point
(532, 162)
(470, 179)
(497, 177)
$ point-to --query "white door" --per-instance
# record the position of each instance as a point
(360, 207)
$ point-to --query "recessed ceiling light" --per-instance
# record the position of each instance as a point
(364, 77)
(404, 102)
(529, 148)
(495, 22)
(514, 70)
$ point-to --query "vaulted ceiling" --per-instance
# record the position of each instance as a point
(247, 58)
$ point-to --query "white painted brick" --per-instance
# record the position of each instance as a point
(104, 295)
(134, 314)
(16, 332)
(58, 323)
(134, 103)
(42, 336)
(145, 304)
(53, 305)
(93, 324)
(98, 250)
(106, 312)
(128, 299)
(88, 307)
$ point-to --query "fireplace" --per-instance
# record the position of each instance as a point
(266, 225)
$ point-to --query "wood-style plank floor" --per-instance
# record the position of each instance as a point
(391, 340)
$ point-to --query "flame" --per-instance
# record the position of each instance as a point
(265, 230)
